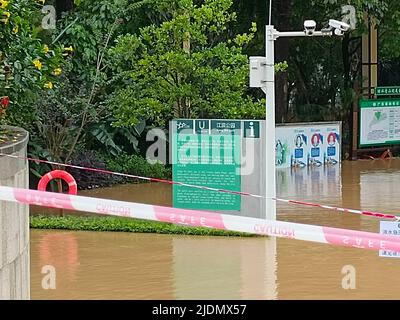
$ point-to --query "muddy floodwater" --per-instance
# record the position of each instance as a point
(106, 265)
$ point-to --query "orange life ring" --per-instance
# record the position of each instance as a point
(58, 174)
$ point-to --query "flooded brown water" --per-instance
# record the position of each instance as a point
(100, 265)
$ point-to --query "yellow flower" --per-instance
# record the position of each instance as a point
(15, 30)
(7, 15)
(3, 4)
(45, 48)
(57, 71)
(48, 85)
(41, 1)
(37, 64)
(70, 49)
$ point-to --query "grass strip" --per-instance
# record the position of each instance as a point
(106, 223)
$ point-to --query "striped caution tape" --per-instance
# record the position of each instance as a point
(313, 233)
(295, 202)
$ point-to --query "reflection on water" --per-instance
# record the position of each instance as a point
(61, 251)
(93, 265)
(236, 268)
(110, 266)
(147, 266)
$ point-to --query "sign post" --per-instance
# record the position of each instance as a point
(262, 75)
(270, 176)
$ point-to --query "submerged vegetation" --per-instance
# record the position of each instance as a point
(93, 223)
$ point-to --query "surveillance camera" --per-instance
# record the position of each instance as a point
(338, 25)
(309, 27)
(338, 32)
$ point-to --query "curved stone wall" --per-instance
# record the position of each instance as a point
(14, 222)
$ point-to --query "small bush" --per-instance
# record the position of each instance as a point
(137, 165)
(91, 179)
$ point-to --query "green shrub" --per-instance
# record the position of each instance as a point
(137, 165)
(123, 225)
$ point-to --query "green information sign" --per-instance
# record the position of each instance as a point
(387, 91)
(206, 153)
(379, 122)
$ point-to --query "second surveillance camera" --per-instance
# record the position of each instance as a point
(339, 26)
(309, 27)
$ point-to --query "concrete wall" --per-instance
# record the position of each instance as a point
(14, 224)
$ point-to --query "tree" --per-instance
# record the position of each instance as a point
(72, 117)
(389, 27)
(389, 44)
(184, 66)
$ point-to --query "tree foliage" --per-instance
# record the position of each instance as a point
(27, 64)
(184, 66)
(155, 60)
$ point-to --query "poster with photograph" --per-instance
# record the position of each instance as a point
(316, 148)
(299, 154)
(332, 145)
(307, 144)
(291, 147)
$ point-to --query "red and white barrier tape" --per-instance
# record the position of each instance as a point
(295, 202)
(313, 233)
(323, 206)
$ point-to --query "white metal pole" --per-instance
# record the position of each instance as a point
(270, 184)
(327, 33)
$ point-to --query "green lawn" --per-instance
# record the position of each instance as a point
(123, 225)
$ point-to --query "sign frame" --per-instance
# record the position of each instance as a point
(376, 103)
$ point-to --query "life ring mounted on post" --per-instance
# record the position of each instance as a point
(58, 174)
